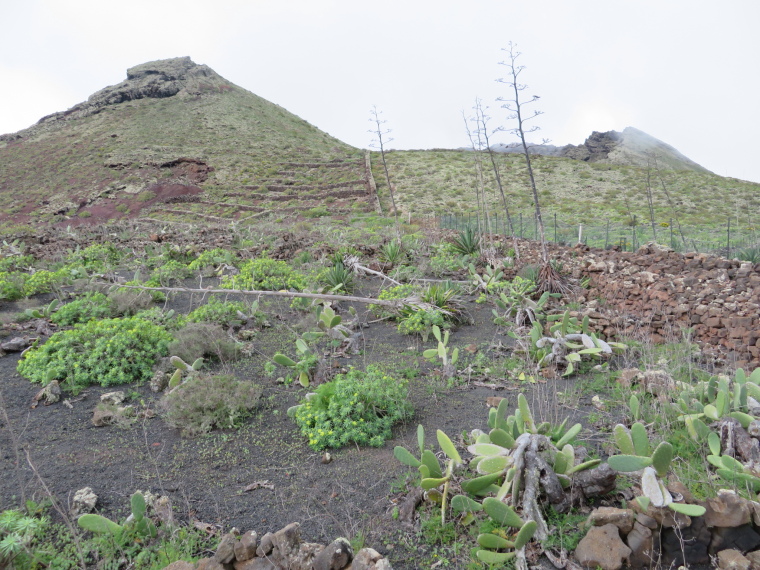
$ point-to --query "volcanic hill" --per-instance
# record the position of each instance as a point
(174, 141)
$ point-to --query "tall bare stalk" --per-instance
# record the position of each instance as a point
(378, 142)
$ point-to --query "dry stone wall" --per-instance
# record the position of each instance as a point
(660, 292)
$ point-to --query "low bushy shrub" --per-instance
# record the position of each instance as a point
(89, 306)
(203, 339)
(12, 285)
(106, 352)
(224, 313)
(356, 407)
(265, 274)
(203, 403)
(129, 302)
(446, 259)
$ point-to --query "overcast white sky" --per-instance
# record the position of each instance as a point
(684, 71)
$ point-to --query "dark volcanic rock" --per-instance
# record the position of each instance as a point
(155, 79)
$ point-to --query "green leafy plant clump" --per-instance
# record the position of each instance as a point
(17, 532)
(89, 306)
(265, 274)
(224, 313)
(107, 352)
(356, 407)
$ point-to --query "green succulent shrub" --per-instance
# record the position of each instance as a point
(356, 407)
(44, 281)
(212, 258)
(224, 313)
(12, 285)
(265, 274)
(167, 272)
(390, 294)
(421, 322)
(17, 532)
(96, 258)
(15, 263)
(106, 352)
(446, 259)
(89, 306)
(203, 403)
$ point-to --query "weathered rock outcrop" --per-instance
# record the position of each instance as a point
(156, 79)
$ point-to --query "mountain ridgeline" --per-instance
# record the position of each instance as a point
(176, 142)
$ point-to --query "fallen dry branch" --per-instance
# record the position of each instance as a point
(395, 303)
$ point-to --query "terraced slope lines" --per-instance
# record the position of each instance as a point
(174, 141)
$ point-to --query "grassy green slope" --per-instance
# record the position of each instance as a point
(443, 181)
(54, 169)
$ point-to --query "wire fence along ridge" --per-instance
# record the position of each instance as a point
(727, 240)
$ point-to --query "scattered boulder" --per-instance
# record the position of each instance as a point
(84, 502)
(727, 510)
(369, 559)
(335, 556)
(113, 398)
(283, 550)
(50, 394)
(623, 519)
(733, 560)
(602, 548)
(16, 344)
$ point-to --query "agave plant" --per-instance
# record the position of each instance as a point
(467, 242)
(339, 278)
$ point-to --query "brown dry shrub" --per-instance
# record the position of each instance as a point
(203, 339)
(203, 403)
(128, 302)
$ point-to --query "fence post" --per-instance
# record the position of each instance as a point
(728, 240)
(671, 232)
(607, 234)
(580, 233)
(521, 226)
(555, 227)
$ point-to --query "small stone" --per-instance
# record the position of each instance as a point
(603, 548)
(265, 546)
(245, 548)
(113, 398)
(626, 376)
(225, 552)
(335, 556)
(743, 538)
(50, 394)
(647, 521)
(286, 542)
(209, 564)
(621, 518)
(83, 502)
(733, 560)
(754, 558)
(641, 543)
(103, 416)
(16, 344)
(366, 559)
(180, 565)
(727, 510)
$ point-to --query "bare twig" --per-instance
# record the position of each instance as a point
(64, 516)
(396, 303)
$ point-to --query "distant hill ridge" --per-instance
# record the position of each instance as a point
(632, 147)
(176, 142)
